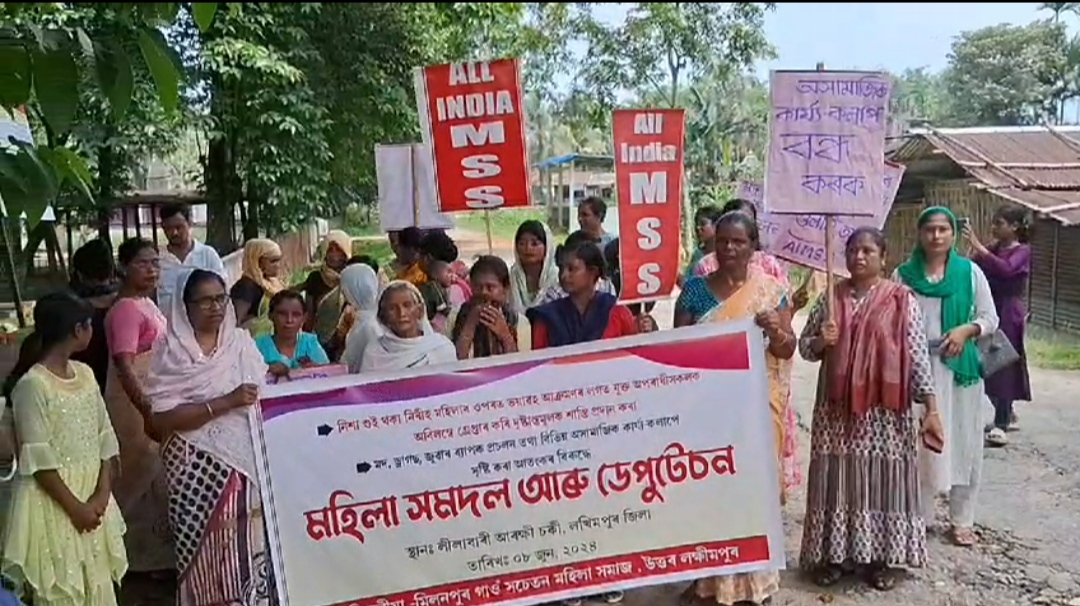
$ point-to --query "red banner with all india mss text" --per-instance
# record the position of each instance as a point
(648, 179)
(472, 118)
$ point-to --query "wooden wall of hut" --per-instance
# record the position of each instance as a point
(957, 195)
(1054, 283)
(1054, 288)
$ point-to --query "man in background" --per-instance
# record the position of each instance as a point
(182, 252)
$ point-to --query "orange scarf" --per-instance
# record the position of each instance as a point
(871, 363)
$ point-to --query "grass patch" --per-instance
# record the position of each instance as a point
(360, 230)
(504, 222)
(1054, 350)
(377, 249)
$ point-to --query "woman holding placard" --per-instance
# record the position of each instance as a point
(862, 504)
(957, 308)
(736, 289)
(204, 377)
(581, 315)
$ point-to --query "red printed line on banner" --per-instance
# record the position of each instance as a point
(596, 573)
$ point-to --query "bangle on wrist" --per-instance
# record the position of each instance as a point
(210, 410)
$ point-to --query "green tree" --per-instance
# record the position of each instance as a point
(918, 96)
(298, 95)
(726, 135)
(49, 54)
(1060, 8)
(1007, 74)
(659, 46)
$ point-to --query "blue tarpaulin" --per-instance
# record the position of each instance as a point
(568, 158)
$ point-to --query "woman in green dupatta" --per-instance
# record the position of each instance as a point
(957, 308)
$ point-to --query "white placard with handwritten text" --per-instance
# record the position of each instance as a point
(826, 142)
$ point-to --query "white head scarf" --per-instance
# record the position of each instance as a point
(181, 375)
(390, 352)
(549, 276)
(360, 285)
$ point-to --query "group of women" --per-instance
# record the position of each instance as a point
(145, 461)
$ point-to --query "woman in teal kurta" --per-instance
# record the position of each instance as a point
(289, 347)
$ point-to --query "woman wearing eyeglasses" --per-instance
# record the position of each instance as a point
(203, 377)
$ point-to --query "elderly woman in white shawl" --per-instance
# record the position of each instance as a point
(408, 339)
(360, 285)
(203, 378)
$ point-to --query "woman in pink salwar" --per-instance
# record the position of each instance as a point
(772, 267)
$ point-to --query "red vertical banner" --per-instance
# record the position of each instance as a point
(648, 181)
(473, 120)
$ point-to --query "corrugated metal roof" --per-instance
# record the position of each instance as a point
(1033, 166)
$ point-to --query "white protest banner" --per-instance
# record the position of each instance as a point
(826, 142)
(406, 180)
(526, 478)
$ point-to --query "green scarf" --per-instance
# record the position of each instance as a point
(956, 293)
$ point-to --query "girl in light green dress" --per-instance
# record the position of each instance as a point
(64, 543)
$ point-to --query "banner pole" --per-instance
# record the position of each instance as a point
(830, 227)
(413, 150)
(487, 228)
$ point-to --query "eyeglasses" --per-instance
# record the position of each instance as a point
(210, 302)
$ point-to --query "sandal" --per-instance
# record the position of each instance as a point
(883, 578)
(996, 438)
(964, 537)
(827, 575)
